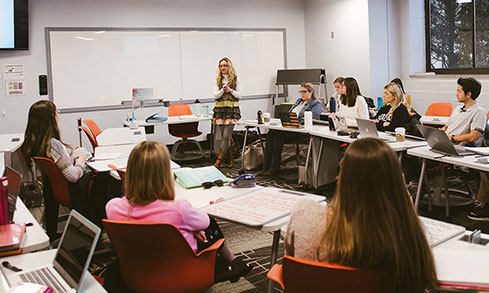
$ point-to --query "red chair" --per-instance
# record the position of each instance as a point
(184, 131)
(155, 257)
(300, 275)
(91, 138)
(94, 129)
(55, 192)
(121, 173)
(439, 109)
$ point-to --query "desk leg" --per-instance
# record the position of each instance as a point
(307, 161)
(244, 147)
(261, 140)
(420, 184)
(273, 258)
(445, 187)
(400, 156)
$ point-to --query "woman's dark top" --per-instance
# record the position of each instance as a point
(400, 118)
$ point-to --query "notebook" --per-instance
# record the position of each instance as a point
(290, 120)
(66, 272)
(13, 188)
(438, 141)
(438, 231)
(368, 128)
(194, 177)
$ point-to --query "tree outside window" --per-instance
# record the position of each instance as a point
(456, 31)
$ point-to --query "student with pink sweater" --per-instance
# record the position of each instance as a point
(149, 197)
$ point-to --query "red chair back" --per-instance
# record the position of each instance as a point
(155, 257)
(182, 130)
(300, 275)
(439, 109)
(91, 138)
(121, 173)
(93, 127)
(59, 184)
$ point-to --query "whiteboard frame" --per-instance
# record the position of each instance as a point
(48, 31)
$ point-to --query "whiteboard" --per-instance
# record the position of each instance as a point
(98, 67)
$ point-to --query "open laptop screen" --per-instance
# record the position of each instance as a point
(74, 249)
(13, 189)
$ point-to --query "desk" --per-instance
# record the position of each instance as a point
(121, 135)
(116, 155)
(9, 143)
(434, 120)
(36, 238)
(171, 120)
(37, 259)
(324, 143)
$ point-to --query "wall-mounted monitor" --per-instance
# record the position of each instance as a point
(14, 23)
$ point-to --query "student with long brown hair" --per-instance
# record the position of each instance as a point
(370, 224)
(353, 104)
(149, 197)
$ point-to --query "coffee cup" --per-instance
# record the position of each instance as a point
(400, 134)
(266, 117)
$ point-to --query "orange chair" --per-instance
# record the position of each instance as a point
(94, 129)
(91, 138)
(121, 173)
(439, 109)
(300, 275)
(155, 257)
(184, 131)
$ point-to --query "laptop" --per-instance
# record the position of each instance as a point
(290, 120)
(368, 128)
(66, 272)
(13, 188)
(438, 141)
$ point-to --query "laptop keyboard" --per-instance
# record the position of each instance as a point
(43, 276)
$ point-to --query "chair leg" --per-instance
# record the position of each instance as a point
(297, 154)
(174, 149)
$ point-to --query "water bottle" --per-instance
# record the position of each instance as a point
(332, 105)
(380, 102)
(197, 108)
(259, 117)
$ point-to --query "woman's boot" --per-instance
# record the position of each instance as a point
(217, 164)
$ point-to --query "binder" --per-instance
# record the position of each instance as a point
(12, 238)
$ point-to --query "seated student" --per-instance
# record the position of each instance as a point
(407, 98)
(370, 224)
(42, 138)
(353, 104)
(337, 94)
(149, 197)
(276, 138)
(393, 114)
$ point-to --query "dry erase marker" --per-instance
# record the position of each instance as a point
(217, 200)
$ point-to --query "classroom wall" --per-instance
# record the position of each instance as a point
(426, 89)
(347, 53)
(287, 14)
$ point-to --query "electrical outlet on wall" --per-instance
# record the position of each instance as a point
(3, 113)
(332, 35)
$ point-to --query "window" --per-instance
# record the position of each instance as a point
(457, 36)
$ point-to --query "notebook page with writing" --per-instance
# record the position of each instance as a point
(438, 232)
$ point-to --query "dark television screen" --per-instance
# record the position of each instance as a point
(14, 25)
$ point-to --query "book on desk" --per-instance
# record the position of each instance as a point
(12, 237)
(194, 177)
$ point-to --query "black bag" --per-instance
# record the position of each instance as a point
(411, 127)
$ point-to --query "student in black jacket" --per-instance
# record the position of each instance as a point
(393, 114)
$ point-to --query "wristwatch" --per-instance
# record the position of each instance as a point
(453, 138)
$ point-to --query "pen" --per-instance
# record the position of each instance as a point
(217, 200)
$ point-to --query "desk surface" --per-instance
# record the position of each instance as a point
(37, 259)
(465, 161)
(276, 125)
(121, 135)
(171, 120)
(36, 238)
(6, 143)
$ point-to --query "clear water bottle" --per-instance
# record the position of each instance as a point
(197, 108)
(332, 105)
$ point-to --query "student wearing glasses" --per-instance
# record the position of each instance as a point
(394, 113)
(149, 197)
(276, 139)
(353, 104)
(227, 92)
(370, 224)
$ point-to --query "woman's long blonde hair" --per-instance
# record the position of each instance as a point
(396, 91)
(371, 222)
(149, 175)
(232, 77)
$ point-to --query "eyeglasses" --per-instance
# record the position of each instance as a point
(209, 184)
(303, 92)
(223, 65)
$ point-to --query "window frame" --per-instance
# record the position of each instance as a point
(473, 69)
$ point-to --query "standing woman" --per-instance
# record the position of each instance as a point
(394, 113)
(353, 104)
(227, 92)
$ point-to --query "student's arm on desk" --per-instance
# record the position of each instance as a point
(472, 137)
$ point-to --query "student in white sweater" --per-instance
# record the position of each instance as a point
(353, 104)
